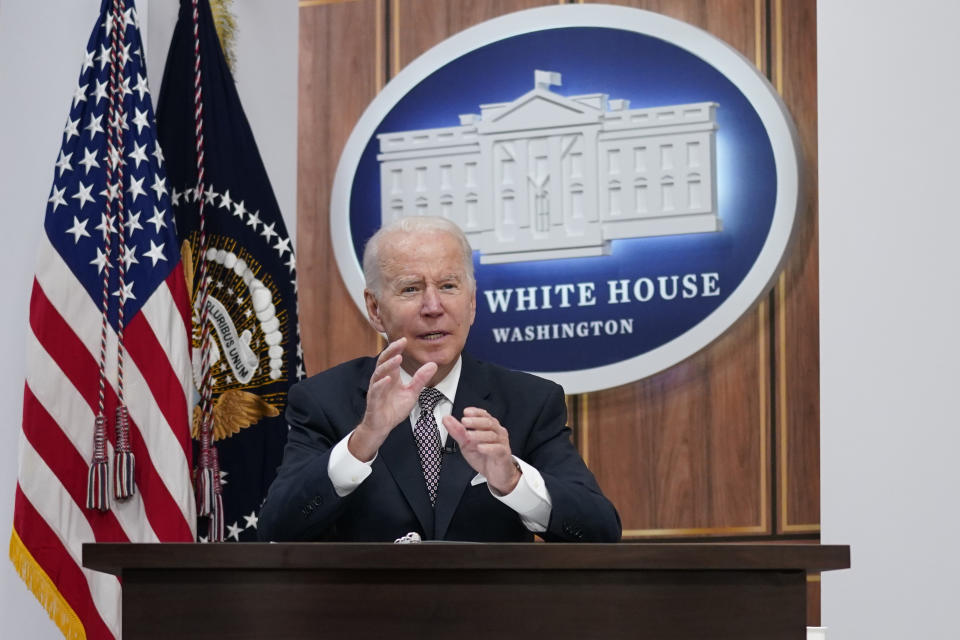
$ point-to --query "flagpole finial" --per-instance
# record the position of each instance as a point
(226, 25)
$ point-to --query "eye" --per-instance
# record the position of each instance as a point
(450, 286)
(409, 288)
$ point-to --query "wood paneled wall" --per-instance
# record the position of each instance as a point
(722, 445)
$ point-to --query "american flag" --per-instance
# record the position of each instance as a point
(108, 212)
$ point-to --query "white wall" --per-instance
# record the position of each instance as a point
(266, 76)
(890, 298)
(890, 315)
(41, 49)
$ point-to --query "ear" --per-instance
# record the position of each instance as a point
(373, 311)
(473, 305)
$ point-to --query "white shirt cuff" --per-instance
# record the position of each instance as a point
(345, 470)
(530, 498)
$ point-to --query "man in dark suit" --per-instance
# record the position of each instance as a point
(424, 438)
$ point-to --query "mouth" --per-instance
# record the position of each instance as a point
(433, 335)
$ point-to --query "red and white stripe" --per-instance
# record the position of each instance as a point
(60, 402)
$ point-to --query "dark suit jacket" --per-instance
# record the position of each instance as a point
(303, 505)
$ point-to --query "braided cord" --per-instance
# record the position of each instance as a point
(97, 480)
(209, 492)
(123, 481)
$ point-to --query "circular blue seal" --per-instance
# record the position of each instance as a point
(629, 184)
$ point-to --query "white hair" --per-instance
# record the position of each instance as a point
(372, 267)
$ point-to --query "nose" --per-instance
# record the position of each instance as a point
(431, 302)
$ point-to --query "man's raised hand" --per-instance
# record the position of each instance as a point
(389, 401)
(485, 446)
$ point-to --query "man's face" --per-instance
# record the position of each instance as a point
(425, 297)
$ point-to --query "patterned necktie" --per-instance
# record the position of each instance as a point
(428, 440)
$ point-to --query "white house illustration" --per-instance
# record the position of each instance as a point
(550, 176)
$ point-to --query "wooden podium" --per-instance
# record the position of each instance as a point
(463, 590)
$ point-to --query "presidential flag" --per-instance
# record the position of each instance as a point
(104, 451)
(242, 274)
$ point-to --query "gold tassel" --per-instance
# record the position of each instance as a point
(226, 26)
(44, 590)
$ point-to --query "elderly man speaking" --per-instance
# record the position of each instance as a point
(425, 439)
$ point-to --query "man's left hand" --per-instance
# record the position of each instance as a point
(486, 447)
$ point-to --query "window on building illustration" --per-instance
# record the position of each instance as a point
(396, 208)
(396, 182)
(471, 177)
(667, 196)
(421, 173)
(508, 205)
(471, 202)
(446, 176)
(446, 206)
(693, 155)
(613, 161)
(576, 165)
(613, 194)
(576, 200)
(423, 206)
(639, 159)
(666, 157)
(694, 191)
(640, 196)
(506, 171)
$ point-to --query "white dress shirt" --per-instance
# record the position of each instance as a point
(530, 498)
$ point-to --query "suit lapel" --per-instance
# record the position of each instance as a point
(473, 390)
(399, 455)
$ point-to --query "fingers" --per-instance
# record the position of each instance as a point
(393, 349)
(485, 447)
(456, 430)
(479, 420)
(385, 369)
(388, 360)
(479, 439)
(476, 430)
(423, 376)
(493, 449)
(377, 385)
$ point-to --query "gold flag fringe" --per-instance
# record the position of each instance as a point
(226, 26)
(45, 590)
